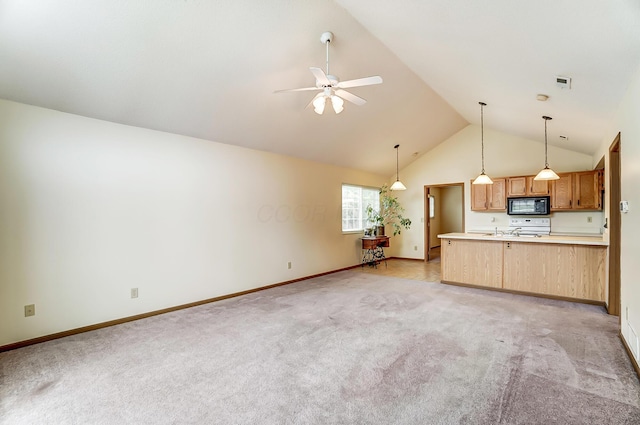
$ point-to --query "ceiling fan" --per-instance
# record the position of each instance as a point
(331, 88)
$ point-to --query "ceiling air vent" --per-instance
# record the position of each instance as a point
(563, 82)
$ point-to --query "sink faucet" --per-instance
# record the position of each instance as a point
(516, 231)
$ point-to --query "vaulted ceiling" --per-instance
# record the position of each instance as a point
(208, 69)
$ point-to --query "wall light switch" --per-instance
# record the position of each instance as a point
(624, 206)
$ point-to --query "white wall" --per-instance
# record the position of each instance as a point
(627, 123)
(457, 160)
(90, 209)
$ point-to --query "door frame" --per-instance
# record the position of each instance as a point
(427, 220)
(614, 224)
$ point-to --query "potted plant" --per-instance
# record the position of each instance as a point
(376, 221)
(390, 213)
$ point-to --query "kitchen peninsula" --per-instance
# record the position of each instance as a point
(564, 267)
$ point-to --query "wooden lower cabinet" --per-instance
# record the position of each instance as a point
(559, 270)
(574, 271)
(471, 262)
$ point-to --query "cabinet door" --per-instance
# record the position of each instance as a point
(587, 190)
(517, 186)
(472, 262)
(497, 195)
(537, 187)
(562, 193)
(478, 197)
(574, 271)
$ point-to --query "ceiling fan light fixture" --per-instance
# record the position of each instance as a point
(397, 185)
(338, 104)
(482, 178)
(318, 105)
(546, 173)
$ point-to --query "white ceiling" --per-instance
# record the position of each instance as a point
(208, 69)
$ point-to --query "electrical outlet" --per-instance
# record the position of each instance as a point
(289, 265)
(29, 310)
(589, 219)
(134, 292)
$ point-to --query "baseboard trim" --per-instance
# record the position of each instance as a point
(531, 294)
(57, 335)
(630, 354)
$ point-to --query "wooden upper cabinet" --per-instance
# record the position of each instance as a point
(581, 190)
(489, 197)
(527, 186)
(517, 186)
(587, 190)
(537, 187)
(497, 194)
(562, 192)
(479, 197)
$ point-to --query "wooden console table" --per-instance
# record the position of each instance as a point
(373, 250)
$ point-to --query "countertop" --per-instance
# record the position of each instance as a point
(568, 240)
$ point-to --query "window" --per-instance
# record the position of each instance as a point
(355, 200)
(432, 206)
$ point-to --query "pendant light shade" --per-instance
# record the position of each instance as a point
(546, 173)
(482, 178)
(397, 185)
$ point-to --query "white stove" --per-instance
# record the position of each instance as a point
(531, 226)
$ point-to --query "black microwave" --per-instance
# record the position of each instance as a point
(532, 205)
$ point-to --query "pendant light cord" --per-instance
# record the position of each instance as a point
(546, 161)
(397, 163)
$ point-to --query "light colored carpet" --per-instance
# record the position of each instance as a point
(346, 348)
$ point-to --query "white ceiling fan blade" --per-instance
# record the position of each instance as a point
(302, 89)
(366, 81)
(351, 97)
(321, 77)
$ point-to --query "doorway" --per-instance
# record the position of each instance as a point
(444, 213)
(614, 224)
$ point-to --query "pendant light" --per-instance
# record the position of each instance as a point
(546, 173)
(482, 178)
(397, 185)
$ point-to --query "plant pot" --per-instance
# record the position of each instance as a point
(380, 230)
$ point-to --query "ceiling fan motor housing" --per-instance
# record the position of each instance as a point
(326, 37)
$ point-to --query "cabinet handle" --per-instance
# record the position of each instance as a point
(569, 202)
(578, 202)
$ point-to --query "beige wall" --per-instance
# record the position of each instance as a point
(451, 209)
(627, 123)
(457, 160)
(91, 209)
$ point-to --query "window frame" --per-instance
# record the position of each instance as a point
(362, 215)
